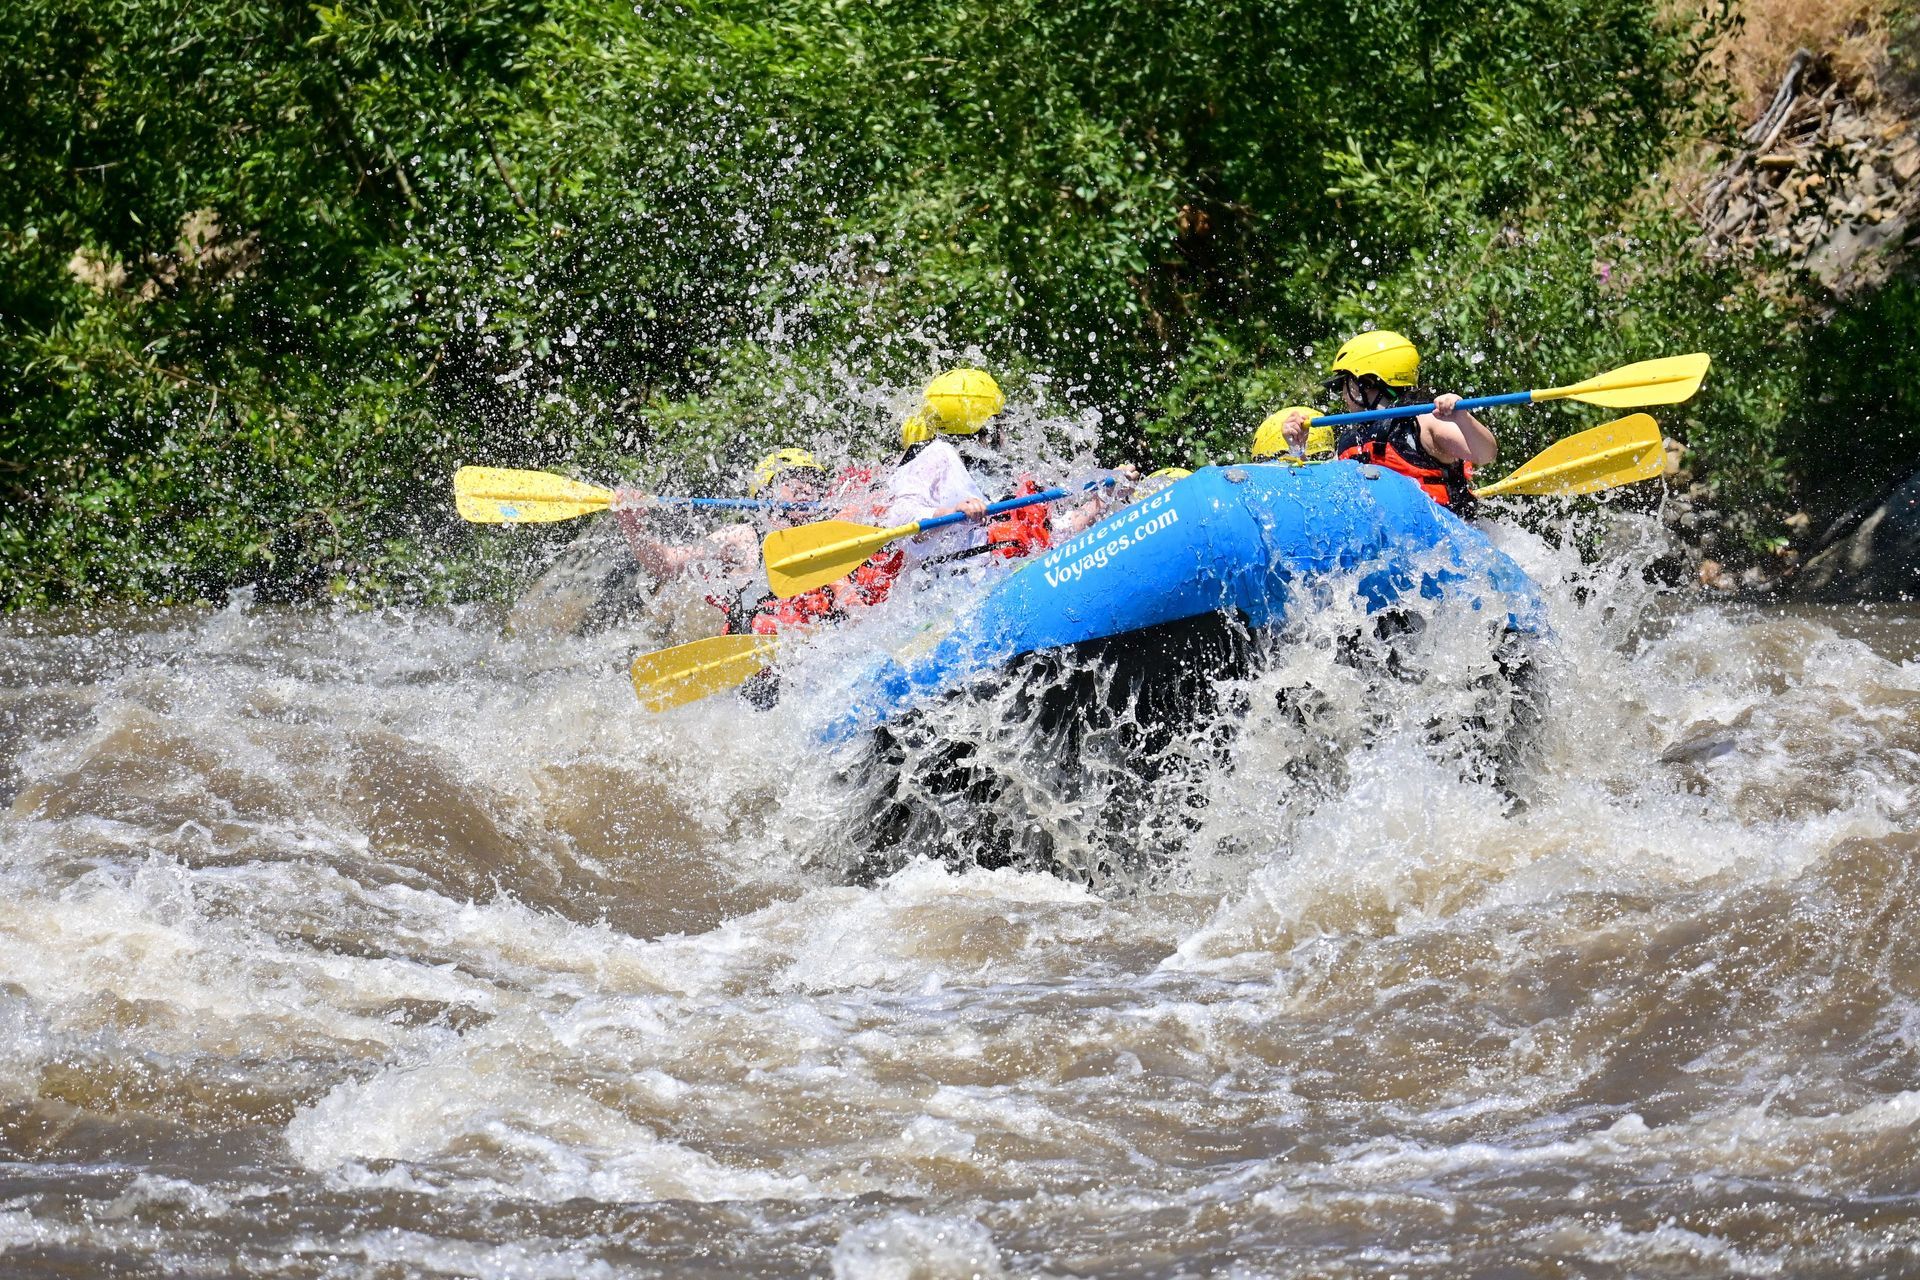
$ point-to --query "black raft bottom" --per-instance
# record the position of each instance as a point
(1055, 763)
(1090, 761)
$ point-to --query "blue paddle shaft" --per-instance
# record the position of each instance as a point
(738, 504)
(1011, 504)
(1415, 410)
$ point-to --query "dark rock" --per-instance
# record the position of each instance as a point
(1700, 748)
(591, 585)
(1878, 559)
(1845, 256)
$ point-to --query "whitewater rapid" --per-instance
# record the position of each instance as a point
(376, 943)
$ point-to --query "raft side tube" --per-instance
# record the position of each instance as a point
(1238, 540)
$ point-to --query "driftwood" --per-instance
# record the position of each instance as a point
(1763, 131)
(1828, 183)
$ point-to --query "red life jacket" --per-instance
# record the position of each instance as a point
(870, 583)
(854, 479)
(770, 615)
(773, 615)
(1023, 532)
(1395, 445)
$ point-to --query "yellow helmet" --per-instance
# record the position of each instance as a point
(771, 467)
(1270, 442)
(1170, 474)
(915, 431)
(961, 401)
(1383, 353)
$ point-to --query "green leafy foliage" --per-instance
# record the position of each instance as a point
(1860, 401)
(272, 271)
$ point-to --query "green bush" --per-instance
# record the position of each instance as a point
(1858, 429)
(273, 271)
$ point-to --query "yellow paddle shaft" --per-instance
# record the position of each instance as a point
(846, 551)
(506, 495)
(1667, 380)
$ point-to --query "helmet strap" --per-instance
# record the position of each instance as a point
(1372, 391)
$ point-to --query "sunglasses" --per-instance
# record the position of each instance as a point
(1340, 382)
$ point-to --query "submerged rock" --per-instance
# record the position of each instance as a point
(1701, 747)
(1878, 559)
(593, 584)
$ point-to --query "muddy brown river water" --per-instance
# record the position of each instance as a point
(374, 944)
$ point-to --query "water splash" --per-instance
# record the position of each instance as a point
(342, 943)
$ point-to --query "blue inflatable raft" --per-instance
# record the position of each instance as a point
(1240, 542)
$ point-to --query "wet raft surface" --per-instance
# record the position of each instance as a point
(375, 945)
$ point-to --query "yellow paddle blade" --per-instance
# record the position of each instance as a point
(812, 555)
(1669, 380)
(689, 672)
(1600, 458)
(501, 495)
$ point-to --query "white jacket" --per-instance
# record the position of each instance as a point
(935, 480)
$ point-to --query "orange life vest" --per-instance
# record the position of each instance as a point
(1395, 445)
(770, 615)
(1024, 532)
(852, 492)
(870, 583)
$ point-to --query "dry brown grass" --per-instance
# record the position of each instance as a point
(1852, 33)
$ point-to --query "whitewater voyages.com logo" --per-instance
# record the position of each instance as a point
(1108, 539)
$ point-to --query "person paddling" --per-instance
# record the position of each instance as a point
(785, 475)
(934, 477)
(953, 456)
(726, 559)
(1437, 450)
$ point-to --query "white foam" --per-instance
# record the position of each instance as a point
(151, 1191)
(925, 923)
(908, 1246)
(415, 1253)
(477, 1118)
(991, 1044)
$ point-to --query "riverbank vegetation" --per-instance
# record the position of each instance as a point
(272, 271)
